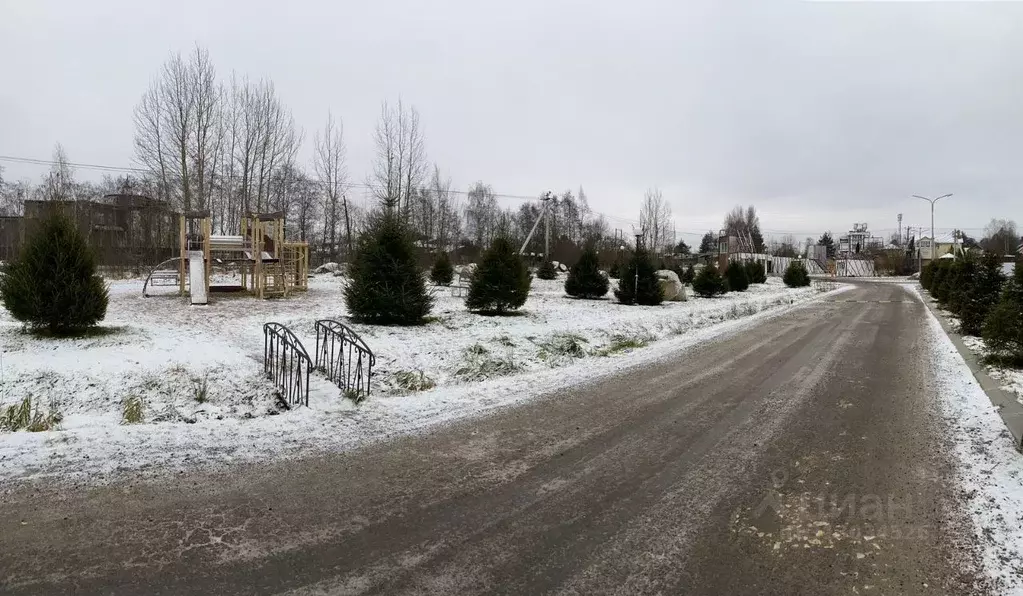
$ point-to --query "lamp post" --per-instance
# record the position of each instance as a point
(932, 202)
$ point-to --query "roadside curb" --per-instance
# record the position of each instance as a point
(1008, 406)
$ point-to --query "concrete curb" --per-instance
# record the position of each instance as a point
(1008, 406)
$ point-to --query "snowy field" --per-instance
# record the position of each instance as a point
(990, 469)
(197, 372)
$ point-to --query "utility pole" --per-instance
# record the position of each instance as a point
(932, 202)
(635, 290)
(547, 227)
(900, 228)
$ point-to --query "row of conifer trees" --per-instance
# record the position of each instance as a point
(987, 303)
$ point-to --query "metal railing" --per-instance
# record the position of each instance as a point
(344, 357)
(286, 362)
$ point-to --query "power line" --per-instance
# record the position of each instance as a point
(350, 185)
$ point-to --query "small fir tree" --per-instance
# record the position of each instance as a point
(443, 272)
(689, 275)
(982, 295)
(708, 282)
(52, 286)
(639, 284)
(1003, 327)
(796, 275)
(501, 281)
(735, 274)
(756, 272)
(546, 270)
(966, 277)
(927, 275)
(386, 285)
(585, 280)
(615, 271)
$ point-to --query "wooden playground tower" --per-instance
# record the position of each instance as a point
(270, 266)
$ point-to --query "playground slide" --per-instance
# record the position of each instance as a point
(197, 277)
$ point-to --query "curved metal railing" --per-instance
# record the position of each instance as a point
(170, 274)
(286, 362)
(344, 357)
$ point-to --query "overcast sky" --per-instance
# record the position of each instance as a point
(820, 114)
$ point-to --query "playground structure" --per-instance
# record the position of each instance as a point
(269, 265)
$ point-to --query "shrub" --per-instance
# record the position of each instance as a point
(585, 280)
(689, 275)
(52, 286)
(964, 273)
(546, 270)
(940, 271)
(501, 281)
(1003, 327)
(756, 272)
(982, 295)
(386, 285)
(708, 282)
(132, 410)
(639, 284)
(926, 275)
(796, 275)
(442, 272)
(413, 380)
(735, 274)
(615, 272)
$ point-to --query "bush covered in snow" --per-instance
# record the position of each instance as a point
(796, 275)
(501, 281)
(443, 272)
(708, 282)
(585, 279)
(386, 286)
(52, 286)
(546, 270)
(735, 275)
(639, 283)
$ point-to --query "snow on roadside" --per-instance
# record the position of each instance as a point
(1009, 379)
(991, 470)
(168, 354)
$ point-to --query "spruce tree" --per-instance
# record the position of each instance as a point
(52, 286)
(1003, 327)
(546, 270)
(689, 275)
(982, 295)
(938, 273)
(443, 272)
(708, 282)
(501, 280)
(756, 272)
(615, 271)
(927, 275)
(735, 273)
(585, 280)
(965, 279)
(639, 283)
(796, 275)
(386, 286)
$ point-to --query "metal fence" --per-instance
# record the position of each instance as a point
(344, 357)
(286, 362)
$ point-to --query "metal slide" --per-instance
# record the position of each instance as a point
(197, 277)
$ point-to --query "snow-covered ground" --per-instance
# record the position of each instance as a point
(990, 469)
(198, 371)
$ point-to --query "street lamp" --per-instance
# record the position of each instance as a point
(932, 202)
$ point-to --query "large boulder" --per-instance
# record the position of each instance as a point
(672, 287)
(327, 268)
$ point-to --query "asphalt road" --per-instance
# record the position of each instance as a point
(804, 455)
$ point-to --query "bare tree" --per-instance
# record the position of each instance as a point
(745, 225)
(1001, 236)
(401, 156)
(59, 183)
(481, 214)
(332, 173)
(655, 221)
